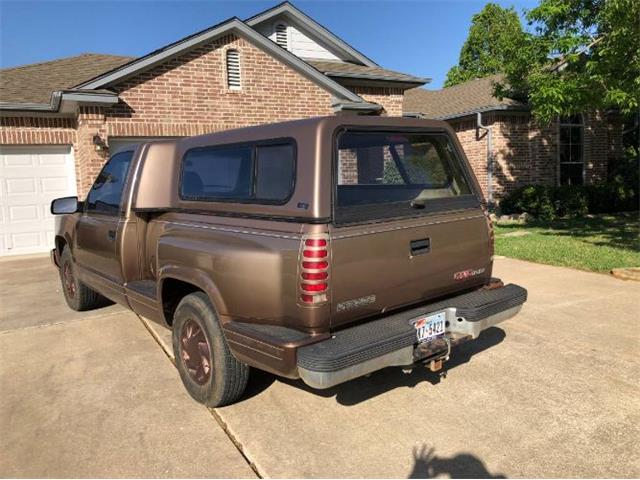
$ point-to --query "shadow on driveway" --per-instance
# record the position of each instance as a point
(362, 389)
(463, 465)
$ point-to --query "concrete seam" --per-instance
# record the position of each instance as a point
(221, 423)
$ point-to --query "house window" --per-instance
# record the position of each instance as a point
(571, 150)
(233, 69)
(281, 36)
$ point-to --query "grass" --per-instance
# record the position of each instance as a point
(597, 243)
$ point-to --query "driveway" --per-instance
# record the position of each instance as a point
(551, 393)
(91, 394)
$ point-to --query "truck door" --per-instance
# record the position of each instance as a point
(99, 227)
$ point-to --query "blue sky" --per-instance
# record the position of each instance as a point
(418, 37)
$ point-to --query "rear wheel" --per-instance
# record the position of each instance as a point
(79, 297)
(208, 369)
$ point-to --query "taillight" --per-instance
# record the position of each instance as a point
(314, 274)
(315, 242)
(315, 265)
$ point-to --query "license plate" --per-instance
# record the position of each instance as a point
(429, 327)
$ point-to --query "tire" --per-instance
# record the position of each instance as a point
(79, 297)
(208, 369)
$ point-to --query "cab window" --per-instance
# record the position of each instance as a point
(105, 195)
(247, 173)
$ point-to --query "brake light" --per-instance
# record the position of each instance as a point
(315, 265)
(314, 253)
(315, 242)
(315, 287)
(314, 274)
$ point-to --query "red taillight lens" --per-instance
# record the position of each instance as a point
(314, 253)
(315, 265)
(317, 287)
(314, 276)
(306, 298)
(315, 242)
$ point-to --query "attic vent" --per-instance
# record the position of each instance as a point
(281, 35)
(233, 69)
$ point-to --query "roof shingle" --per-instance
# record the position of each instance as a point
(36, 82)
(351, 70)
(459, 100)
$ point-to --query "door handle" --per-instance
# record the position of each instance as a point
(111, 235)
(420, 247)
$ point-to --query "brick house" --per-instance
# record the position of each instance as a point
(570, 151)
(60, 120)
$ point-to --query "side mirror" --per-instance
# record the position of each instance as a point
(63, 205)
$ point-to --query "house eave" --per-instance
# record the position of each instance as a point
(233, 25)
(61, 102)
(314, 27)
(355, 107)
(357, 80)
(468, 113)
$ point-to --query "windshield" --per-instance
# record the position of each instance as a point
(382, 175)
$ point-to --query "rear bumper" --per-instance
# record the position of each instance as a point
(391, 341)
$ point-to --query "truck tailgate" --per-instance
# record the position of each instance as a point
(378, 267)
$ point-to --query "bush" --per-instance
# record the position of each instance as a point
(570, 201)
(549, 202)
(532, 199)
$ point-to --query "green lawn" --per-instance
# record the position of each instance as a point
(597, 243)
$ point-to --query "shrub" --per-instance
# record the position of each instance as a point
(548, 202)
(570, 201)
(532, 199)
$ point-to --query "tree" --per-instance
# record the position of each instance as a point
(580, 55)
(495, 35)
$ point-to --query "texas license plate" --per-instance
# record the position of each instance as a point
(429, 327)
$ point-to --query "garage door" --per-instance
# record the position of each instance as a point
(30, 177)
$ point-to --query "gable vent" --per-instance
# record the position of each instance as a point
(281, 36)
(233, 69)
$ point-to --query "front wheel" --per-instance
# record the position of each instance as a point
(78, 296)
(208, 369)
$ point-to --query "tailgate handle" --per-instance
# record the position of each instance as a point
(421, 246)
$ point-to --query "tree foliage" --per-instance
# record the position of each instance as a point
(576, 55)
(580, 55)
(494, 34)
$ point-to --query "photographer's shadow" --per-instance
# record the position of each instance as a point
(463, 465)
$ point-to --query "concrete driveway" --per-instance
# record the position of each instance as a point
(91, 394)
(551, 393)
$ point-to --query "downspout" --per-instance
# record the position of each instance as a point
(489, 159)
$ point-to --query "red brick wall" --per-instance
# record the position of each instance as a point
(190, 95)
(390, 98)
(31, 131)
(89, 161)
(527, 153)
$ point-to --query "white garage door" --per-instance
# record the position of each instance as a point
(30, 177)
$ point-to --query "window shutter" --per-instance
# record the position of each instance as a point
(233, 69)
(281, 35)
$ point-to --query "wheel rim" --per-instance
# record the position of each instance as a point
(69, 280)
(195, 352)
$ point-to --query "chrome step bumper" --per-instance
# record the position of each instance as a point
(391, 341)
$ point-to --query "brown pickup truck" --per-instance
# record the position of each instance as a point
(321, 249)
